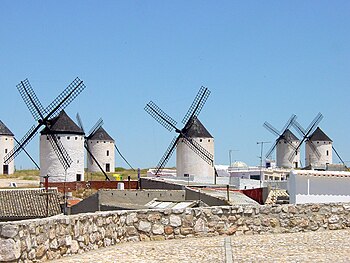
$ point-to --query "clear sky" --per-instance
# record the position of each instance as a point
(262, 61)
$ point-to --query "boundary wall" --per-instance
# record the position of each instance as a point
(59, 236)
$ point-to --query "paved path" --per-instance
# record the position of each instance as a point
(322, 246)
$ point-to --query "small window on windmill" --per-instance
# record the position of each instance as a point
(58, 137)
(327, 153)
(104, 142)
(47, 137)
(107, 152)
(208, 140)
(6, 151)
(76, 138)
(68, 138)
(200, 140)
(5, 139)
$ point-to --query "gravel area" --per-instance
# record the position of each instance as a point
(320, 246)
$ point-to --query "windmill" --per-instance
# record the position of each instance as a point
(43, 118)
(306, 134)
(285, 144)
(187, 136)
(91, 157)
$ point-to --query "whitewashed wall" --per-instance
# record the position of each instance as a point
(323, 147)
(319, 187)
(99, 150)
(189, 162)
(6, 145)
(283, 152)
(50, 164)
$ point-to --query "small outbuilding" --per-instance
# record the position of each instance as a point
(6, 145)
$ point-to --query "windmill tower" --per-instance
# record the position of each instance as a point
(190, 136)
(285, 145)
(6, 144)
(47, 118)
(71, 137)
(189, 162)
(101, 145)
(318, 149)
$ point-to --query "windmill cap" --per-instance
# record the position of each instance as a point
(101, 135)
(63, 124)
(319, 135)
(197, 129)
(4, 130)
(289, 136)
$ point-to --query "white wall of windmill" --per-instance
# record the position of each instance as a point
(283, 152)
(51, 165)
(6, 145)
(325, 150)
(189, 162)
(104, 152)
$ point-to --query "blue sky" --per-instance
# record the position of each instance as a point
(262, 61)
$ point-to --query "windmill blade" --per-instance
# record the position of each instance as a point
(60, 151)
(314, 123)
(30, 157)
(338, 155)
(314, 149)
(80, 123)
(289, 123)
(270, 151)
(160, 116)
(22, 143)
(98, 164)
(299, 128)
(31, 100)
(115, 146)
(168, 153)
(65, 98)
(87, 147)
(197, 104)
(272, 129)
(198, 149)
(97, 125)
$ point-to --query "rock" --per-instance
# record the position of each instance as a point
(168, 230)
(164, 221)
(54, 244)
(154, 217)
(217, 211)
(175, 220)
(257, 222)
(63, 250)
(232, 218)
(274, 222)
(186, 230)
(144, 226)
(31, 254)
(304, 223)
(333, 219)
(157, 238)
(248, 211)
(40, 252)
(131, 219)
(74, 247)
(200, 226)
(144, 237)
(158, 229)
(130, 231)
(9, 231)
(231, 230)
(9, 250)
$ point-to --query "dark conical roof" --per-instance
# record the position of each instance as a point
(100, 135)
(319, 135)
(197, 129)
(63, 124)
(289, 136)
(4, 130)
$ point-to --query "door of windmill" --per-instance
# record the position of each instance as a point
(108, 168)
(6, 169)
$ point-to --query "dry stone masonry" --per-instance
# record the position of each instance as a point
(55, 237)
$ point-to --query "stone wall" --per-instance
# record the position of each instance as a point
(49, 238)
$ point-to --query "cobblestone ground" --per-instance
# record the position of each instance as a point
(322, 246)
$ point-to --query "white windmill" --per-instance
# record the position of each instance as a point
(6, 144)
(285, 145)
(71, 136)
(195, 154)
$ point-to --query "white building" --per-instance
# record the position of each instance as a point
(322, 145)
(188, 162)
(285, 147)
(6, 145)
(310, 186)
(101, 145)
(72, 139)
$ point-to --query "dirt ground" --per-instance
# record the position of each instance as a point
(5, 183)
